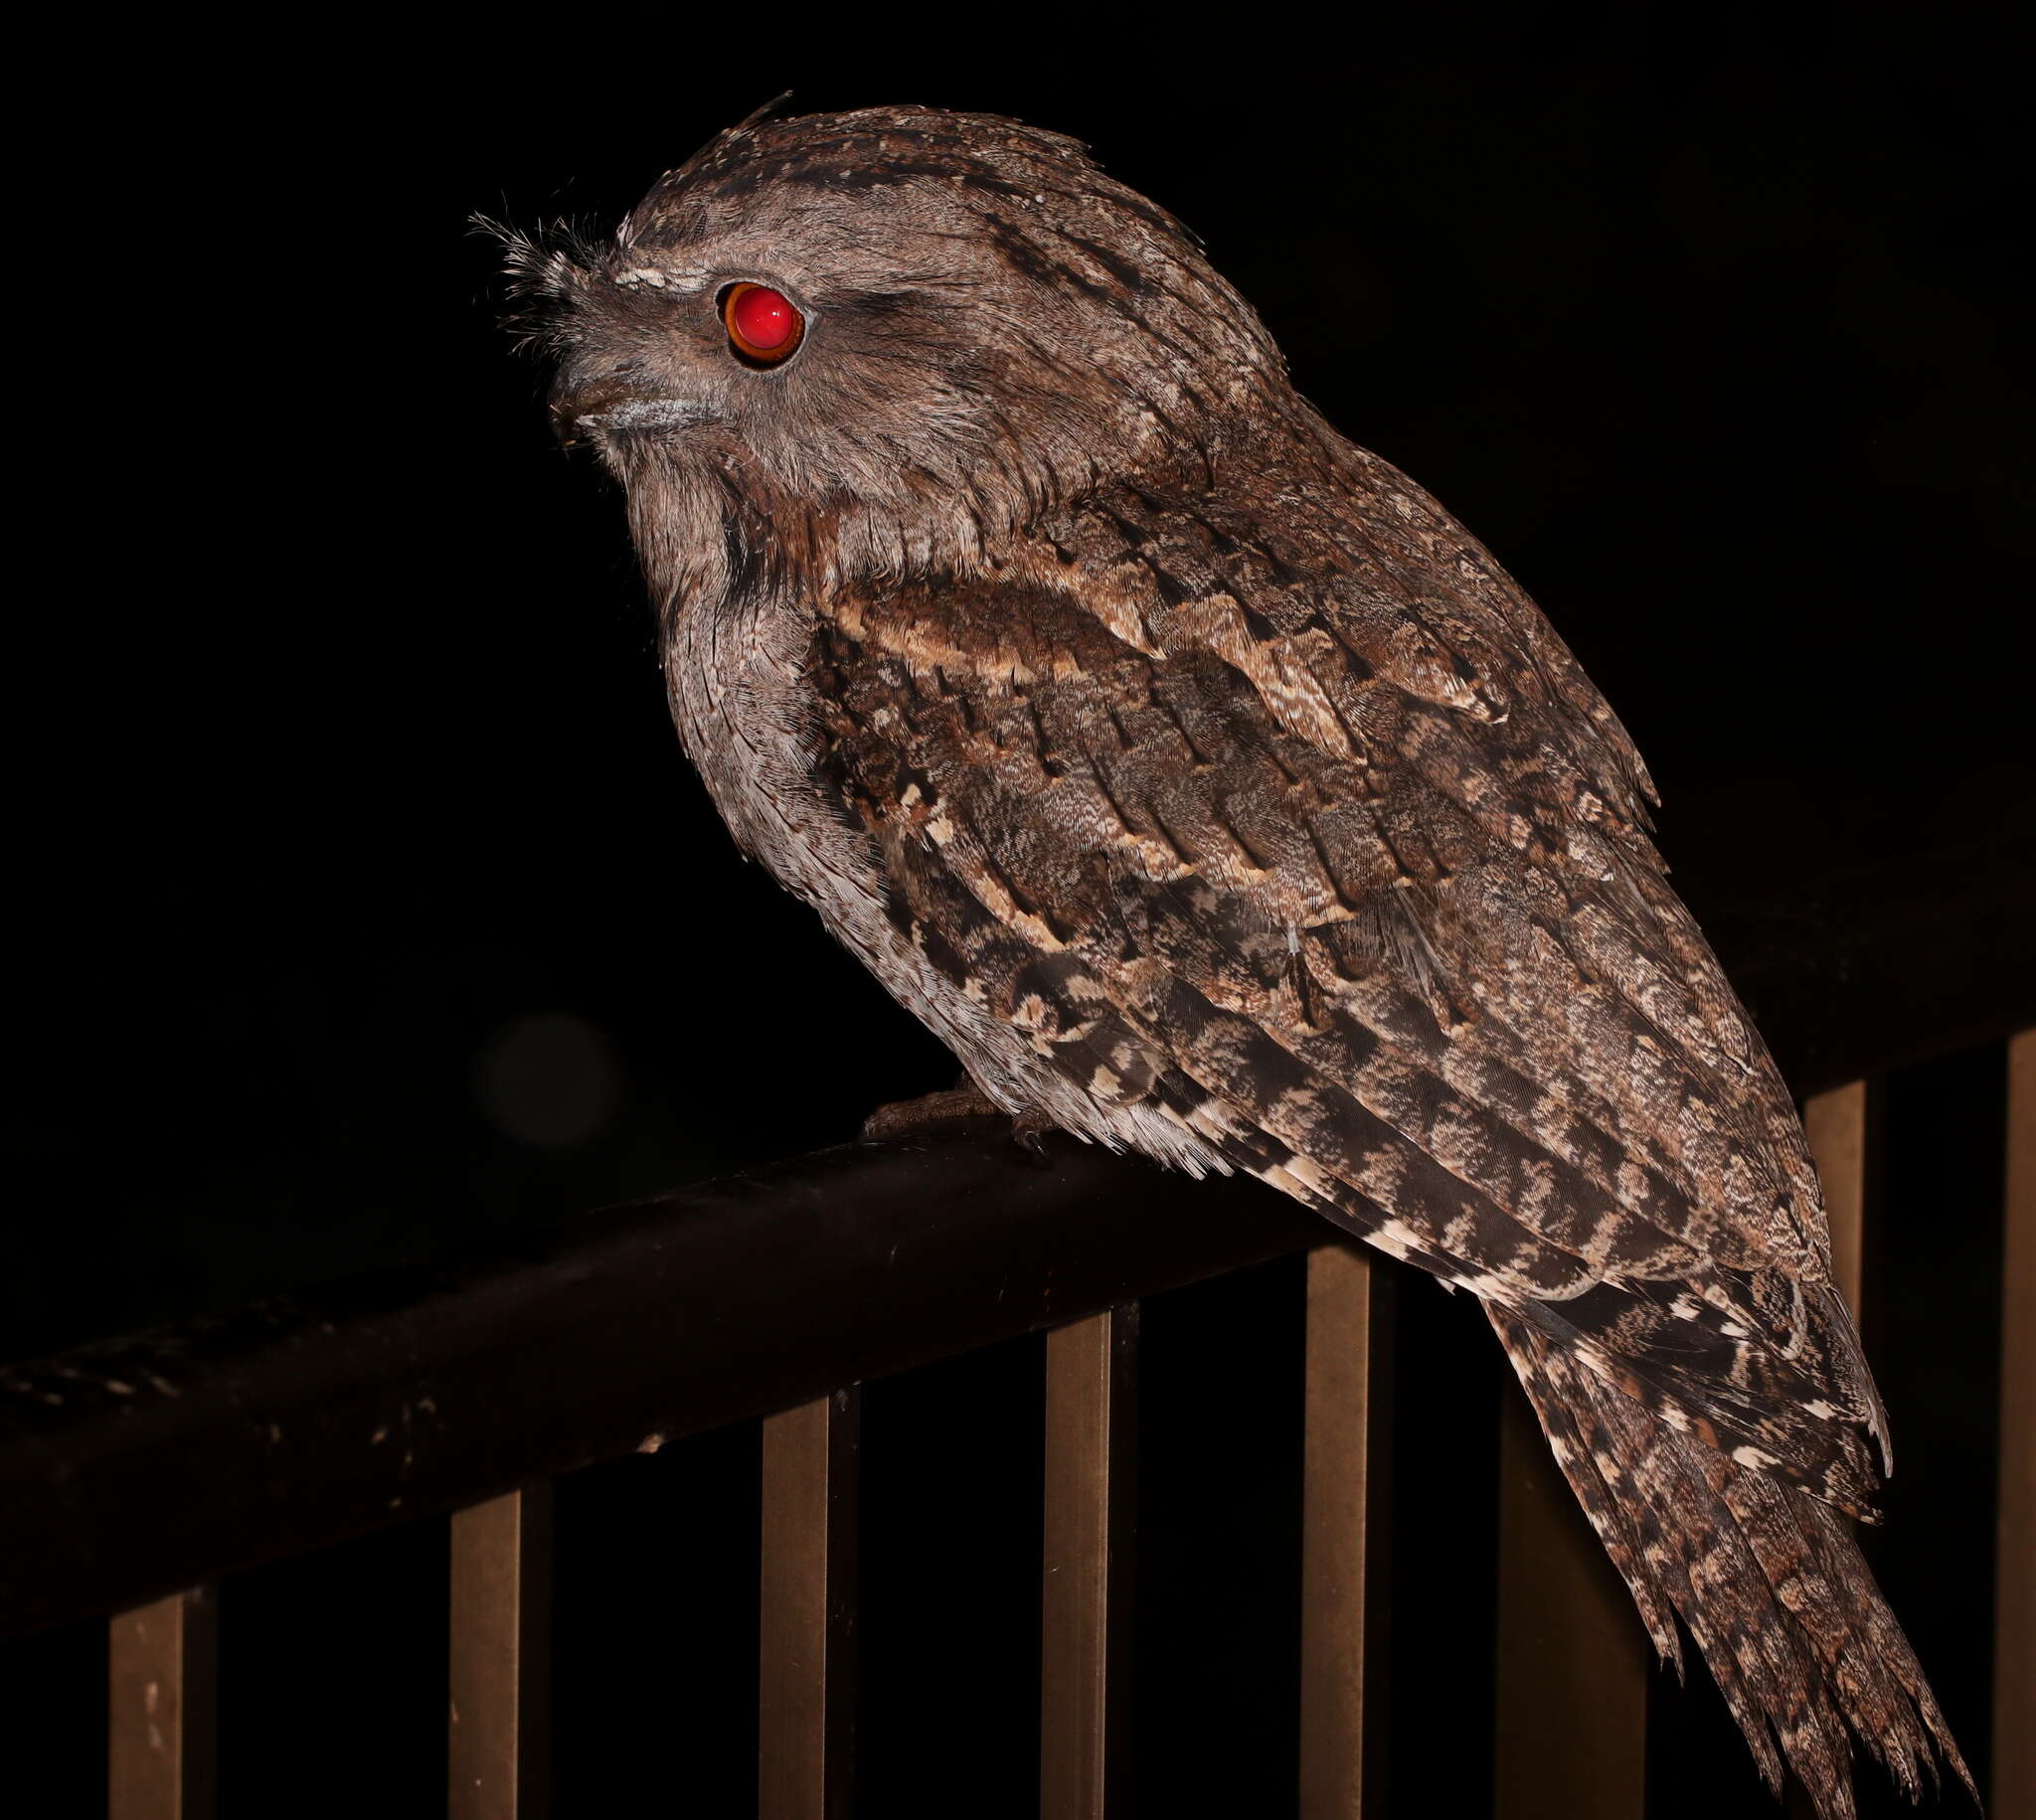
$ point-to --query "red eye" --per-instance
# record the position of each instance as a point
(763, 325)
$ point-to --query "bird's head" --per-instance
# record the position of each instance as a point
(900, 332)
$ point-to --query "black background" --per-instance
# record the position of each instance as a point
(363, 906)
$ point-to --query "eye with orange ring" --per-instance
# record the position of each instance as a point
(764, 327)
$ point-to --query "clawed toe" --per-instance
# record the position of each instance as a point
(957, 1105)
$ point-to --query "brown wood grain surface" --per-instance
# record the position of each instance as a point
(1085, 1594)
(808, 1595)
(498, 1723)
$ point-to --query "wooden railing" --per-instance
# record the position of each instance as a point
(317, 1417)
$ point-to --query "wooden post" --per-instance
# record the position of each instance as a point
(162, 1688)
(1086, 1596)
(1837, 1126)
(806, 1689)
(1343, 1507)
(498, 1734)
(1572, 1652)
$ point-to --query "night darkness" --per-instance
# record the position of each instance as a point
(365, 906)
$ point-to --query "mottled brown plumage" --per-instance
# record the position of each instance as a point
(1214, 793)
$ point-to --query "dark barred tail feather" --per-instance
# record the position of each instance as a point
(1768, 1580)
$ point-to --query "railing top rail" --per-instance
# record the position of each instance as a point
(133, 1467)
(136, 1466)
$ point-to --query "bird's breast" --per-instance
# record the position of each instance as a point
(743, 693)
(740, 680)
(735, 678)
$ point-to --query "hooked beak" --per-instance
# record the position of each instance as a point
(617, 401)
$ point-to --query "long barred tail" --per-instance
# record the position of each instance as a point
(1769, 1581)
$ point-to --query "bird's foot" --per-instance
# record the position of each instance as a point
(955, 1105)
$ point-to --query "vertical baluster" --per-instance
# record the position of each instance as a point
(806, 1691)
(1837, 1125)
(497, 1739)
(1572, 1697)
(2013, 1795)
(1090, 1517)
(161, 1685)
(1343, 1507)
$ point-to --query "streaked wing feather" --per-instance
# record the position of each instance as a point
(1361, 890)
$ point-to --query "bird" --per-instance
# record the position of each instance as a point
(1213, 794)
